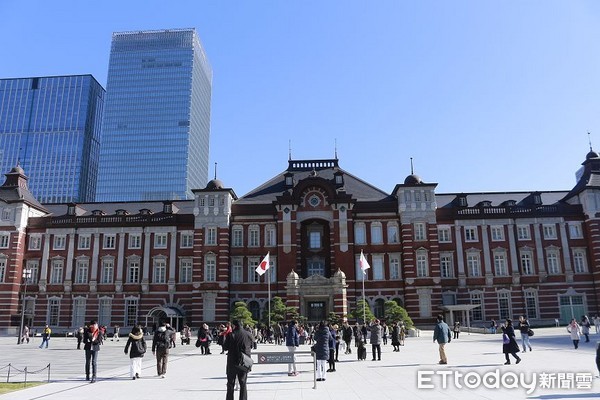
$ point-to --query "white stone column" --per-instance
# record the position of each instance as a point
(514, 259)
(460, 257)
(566, 252)
(541, 261)
(120, 263)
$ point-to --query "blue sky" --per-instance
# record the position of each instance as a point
(484, 95)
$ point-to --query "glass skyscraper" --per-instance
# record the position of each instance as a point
(51, 127)
(155, 133)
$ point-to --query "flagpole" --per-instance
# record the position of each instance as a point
(364, 299)
(269, 297)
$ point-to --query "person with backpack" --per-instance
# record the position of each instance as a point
(160, 348)
(138, 348)
(46, 336)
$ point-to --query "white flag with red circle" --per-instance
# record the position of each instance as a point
(364, 264)
(263, 266)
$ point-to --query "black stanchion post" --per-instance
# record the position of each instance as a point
(48, 373)
(25, 384)
(8, 375)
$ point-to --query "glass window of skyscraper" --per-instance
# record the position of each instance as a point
(155, 134)
(51, 127)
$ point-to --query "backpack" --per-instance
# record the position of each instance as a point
(161, 340)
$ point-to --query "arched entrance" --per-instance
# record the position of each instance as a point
(174, 316)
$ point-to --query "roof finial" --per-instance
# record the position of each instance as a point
(215, 170)
(289, 149)
(411, 166)
(590, 140)
(335, 148)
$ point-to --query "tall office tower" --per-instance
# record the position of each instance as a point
(156, 128)
(51, 127)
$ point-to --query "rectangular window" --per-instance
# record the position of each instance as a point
(376, 234)
(446, 265)
(394, 267)
(81, 271)
(553, 263)
(360, 236)
(473, 264)
(500, 264)
(210, 269)
(270, 236)
(444, 235)
(549, 231)
(35, 242)
(6, 214)
(477, 312)
(187, 240)
(497, 233)
(135, 241)
(252, 275)
(53, 312)
(4, 240)
(59, 242)
(133, 271)
(425, 305)
(56, 272)
(108, 271)
(471, 234)
(237, 237)
(160, 240)
(392, 233)
(34, 267)
(422, 265)
(523, 232)
(78, 312)
(378, 267)
(160, 270)
(419, 230)
(575, 231)
(531, 305)
(253, 237)
(131, 312)
(109, 241)
(314, 240)
(272, 271)
(104, 312)
(211, 236)
(526, 264)
(579, 261)
(202, 202)
(237, 271)
(185, 271)
(2, 269)
(504, 306)
(84, 242)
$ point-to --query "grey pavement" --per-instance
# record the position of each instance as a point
(192, 376)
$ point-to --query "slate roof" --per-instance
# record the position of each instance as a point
(132, 208)
(15, 190)
(446, 200)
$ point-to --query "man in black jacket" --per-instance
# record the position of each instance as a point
(237, 342)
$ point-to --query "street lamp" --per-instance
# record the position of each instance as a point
(26, 277)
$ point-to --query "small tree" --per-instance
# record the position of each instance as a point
(241, 313)
(362, 313)
(396, 313)
(333, 319)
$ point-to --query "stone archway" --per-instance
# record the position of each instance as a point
(173, 315)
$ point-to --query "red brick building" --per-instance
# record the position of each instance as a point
(510, 254)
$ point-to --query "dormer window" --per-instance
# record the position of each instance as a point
(462, 201)
(289, 180)
(71, 209)
(121, 212)
(537, 199)
(509, 203)
(168, 208)
(485, 203)
(145, 211)
(97, 213)
(339, 178)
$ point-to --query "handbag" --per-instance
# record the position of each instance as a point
(198, 343)
(529, 332)
(505, 339)
(245, 363)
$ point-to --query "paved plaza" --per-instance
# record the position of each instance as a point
(553, 370)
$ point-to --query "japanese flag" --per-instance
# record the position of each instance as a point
(364, 264)
(263, 266)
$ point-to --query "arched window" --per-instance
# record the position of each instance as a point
(379, 308)
(254, 308)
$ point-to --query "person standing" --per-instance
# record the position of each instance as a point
(92, 340)
(46, 336)
(376, 335)
(386, 332)
(25, 335)
(509, 343)
(456, 329)
(332, 344)
(160, 348)
(596, 321)
(79, 336)
(524, 328)
(347, 336)
(585, 327)
(396, 336)
(137, 344)
(204, 337)
(598, 356)
(292, 340)
(237, 342)
(321, 348)
(116, 332)
(441, 334)
(575, 331)
(402, 332)
(493, 326)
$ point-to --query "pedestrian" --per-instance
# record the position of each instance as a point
(92, 340)
(332, 344)
(575, 331)
(237, 342)
(160, 348)
(524, 328)
(509, 343)
(172, 336)
(79, 336)
(456, 329)
(376, 335)
(321, 348)
(25, 334)
(347, 336)
(136, 346)
(292, 341)
(223, 335)
(185, 335)
(386, 333)
(585, 327)
(46, 336)
(596, 321)
(204, 338)
(402, 332)
(116, 330)
(441, 334)
(396, 336)
(598, 356)
(493, 326)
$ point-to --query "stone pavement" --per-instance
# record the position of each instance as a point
(193, 376)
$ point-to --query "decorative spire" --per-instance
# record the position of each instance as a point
(289, 149)
(590, 140)
(215, 170)
(335, 148)
(412, 171)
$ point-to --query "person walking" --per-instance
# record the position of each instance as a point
(402, 332)
(441, 334)
(456, 329)
(237, 342)
(292, 341)
(116, 333)
(396, 336)
(46, 336)
(332, 344)
(204, 337)
(376, 335)
(385, 334)
(524, 328)
(509, 343)
(575, 330)
(79, 336)
(136, 346)
(25, 335)
(598, 356)
(585, 327)
(347, 336)
(493, 326)
(92, 340)
(596, 321)
(321, 348)
(160, 348)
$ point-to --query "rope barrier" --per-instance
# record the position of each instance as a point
(16, 371)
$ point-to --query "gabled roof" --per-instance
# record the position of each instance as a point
(15, 190)
(590, 176)
(301, 170)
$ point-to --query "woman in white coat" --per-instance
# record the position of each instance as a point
(575, 330)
